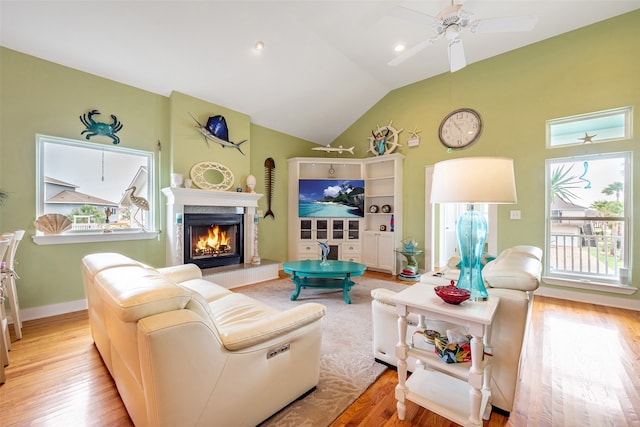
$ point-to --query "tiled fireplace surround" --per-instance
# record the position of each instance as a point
(186, 200)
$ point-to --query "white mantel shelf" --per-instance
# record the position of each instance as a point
(196, 197)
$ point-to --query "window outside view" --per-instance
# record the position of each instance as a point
(97, 187)
(587, 217)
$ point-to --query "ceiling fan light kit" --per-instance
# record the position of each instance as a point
(450, 23)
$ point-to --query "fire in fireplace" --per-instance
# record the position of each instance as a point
(213, 240)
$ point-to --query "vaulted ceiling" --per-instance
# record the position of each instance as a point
(323, 65)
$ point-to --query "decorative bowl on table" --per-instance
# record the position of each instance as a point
(451, 294)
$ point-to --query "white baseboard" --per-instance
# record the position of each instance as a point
(598, 299)
(53, 309)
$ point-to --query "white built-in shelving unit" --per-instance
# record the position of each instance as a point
(371, 239)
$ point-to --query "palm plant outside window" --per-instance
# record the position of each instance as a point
(587, 212)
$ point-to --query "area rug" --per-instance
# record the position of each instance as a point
(347, 365)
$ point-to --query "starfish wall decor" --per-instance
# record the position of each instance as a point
(587, 138)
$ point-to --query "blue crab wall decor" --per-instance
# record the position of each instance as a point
(96, 128)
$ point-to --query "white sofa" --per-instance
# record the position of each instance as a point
(186, 352)
(512, 276)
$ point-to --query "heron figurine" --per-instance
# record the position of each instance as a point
(140, 203)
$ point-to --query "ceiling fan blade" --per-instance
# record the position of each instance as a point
(504, 25)
(456, 55)
(411, 52)
(473, 7)
(413, 15)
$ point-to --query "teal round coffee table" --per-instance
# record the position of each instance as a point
(329, 274)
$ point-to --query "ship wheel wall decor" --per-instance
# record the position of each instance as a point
(384, 140)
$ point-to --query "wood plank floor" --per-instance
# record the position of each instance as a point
(582, 368)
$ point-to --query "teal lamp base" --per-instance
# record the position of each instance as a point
(472, 234)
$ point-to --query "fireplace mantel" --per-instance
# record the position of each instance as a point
(192, 197)
(178, 198)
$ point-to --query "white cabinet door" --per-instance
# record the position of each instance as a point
(370, 249)
(386, 254)
(377, 250)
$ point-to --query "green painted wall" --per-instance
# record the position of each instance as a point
(41, 97)
(591, 69)
(38, 96)
(272, 237)
(586, 70)
(188, 146)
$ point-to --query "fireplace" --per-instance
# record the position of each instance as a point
(185, 205)
(213, 239)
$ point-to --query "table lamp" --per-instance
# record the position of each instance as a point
(473, 180)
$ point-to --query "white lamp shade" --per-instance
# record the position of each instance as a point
(474, 180)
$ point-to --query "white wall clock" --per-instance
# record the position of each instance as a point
(203, 172)
(460, 128)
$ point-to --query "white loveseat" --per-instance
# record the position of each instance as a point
(186, 352)
(512, 276)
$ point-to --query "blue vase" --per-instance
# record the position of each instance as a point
(472, 234)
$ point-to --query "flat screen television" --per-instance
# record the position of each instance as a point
(331, 198)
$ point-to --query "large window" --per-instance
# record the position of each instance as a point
(588, 209)
(106, 192)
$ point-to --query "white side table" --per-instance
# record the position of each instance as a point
(440, 278)
(459, 392)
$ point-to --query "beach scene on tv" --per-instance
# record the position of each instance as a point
(331, 198)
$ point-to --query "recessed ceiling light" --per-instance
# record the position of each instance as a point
(259, 45)
(399, 47)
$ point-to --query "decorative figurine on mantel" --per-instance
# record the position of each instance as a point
(384, 140)
(251, 184)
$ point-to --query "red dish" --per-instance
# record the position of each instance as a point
(452, 295)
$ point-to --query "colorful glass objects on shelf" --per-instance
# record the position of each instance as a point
(392, 223)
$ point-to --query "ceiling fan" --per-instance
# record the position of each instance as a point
(452, 21)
